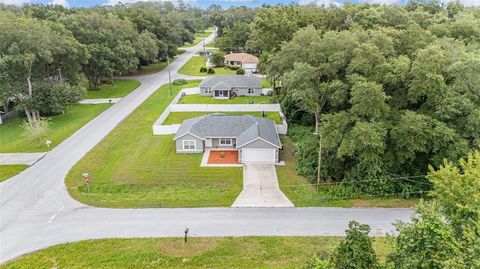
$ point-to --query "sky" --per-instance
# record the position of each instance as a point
(223, 3)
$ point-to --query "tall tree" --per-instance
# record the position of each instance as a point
(33, 52)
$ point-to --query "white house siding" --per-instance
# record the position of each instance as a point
(203, 91)
(244, 91)
(179, 144)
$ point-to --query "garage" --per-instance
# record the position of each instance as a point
(259, 155)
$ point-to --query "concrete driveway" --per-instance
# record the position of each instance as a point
(260, 187)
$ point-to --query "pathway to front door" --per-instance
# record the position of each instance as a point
(260, 187)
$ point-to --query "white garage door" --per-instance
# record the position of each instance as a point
(258, 155)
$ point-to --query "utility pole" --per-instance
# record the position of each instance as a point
(169, 75)
(204, 53)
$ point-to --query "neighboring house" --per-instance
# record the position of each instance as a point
(256, 139)
(243, 60)
(226, 86)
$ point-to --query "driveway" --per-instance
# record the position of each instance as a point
(36, 210)
(260, 187)
(21, 158)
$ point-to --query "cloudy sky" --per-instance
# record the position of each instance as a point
(206, 3)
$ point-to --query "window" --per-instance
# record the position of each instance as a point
(208, 90)
(251, 91)
(225, 141)
(189, 145)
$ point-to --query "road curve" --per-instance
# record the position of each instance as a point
(36, 210)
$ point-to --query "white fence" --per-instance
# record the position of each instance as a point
(224, 107)
(159, 129)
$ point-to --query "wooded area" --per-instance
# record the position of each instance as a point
(49, 55)
(386, 90)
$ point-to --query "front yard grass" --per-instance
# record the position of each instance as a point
(119, 88)
(302, 192)
(8, 171)
(198, 252)
(13, 139)
(192, 68)
(205, 33)
(200, 99)
(133, 168)
(179, 117)
(195, 42)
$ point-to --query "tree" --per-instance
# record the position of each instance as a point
(36, 130)
(356, 250)
(110, 47)
(218, 59)
(457, 190)
(444, 232)
(33, 51)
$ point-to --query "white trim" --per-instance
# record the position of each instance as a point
(194, 145)
(175, 139)
(255, 139)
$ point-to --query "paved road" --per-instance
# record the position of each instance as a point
(260, 187)
(36, 210)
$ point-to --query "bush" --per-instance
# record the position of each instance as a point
(203, 69)
(218, 59)
(36, 130)
(356, 250)
(234, 67)
(211, 71)
(179, 82)
(240, 72)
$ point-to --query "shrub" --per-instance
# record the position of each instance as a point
(240, 72)
(179, 81)
(234, 67)
(356, 250)
(203, 69)
(218, 59)
(36, 130)
(211, 71)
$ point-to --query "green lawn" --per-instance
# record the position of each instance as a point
(199, 99)
(150, 69)
(179, 117)
(119, 88)
(211, 44)
(192, 68)
(13, 139)
(212, 252)
(195, 42)
(205, 34)
(133, 168)
(302, 193)
(154, 67)
(8, 171)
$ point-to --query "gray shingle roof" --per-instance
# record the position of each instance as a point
(244, 128)
(247, 81)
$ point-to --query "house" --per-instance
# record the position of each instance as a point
(226, 86)
(243, 60)
(256, 139)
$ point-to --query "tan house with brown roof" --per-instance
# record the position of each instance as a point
(243, 60)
